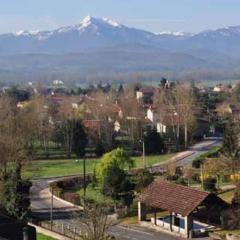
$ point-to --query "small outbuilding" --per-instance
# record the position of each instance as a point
(182, 204)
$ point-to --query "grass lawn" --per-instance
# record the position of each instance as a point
(227, 196)
(43, 237)
(151, 160)
(97, 196)
(63, 167)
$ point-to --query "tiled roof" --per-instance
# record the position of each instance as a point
(172, 197)
(92, 124)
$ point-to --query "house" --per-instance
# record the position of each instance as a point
(222, 88)
(181, 205)
(117, 126)
(58, 82)
(145, 95)
(151, 114)
(226, 109)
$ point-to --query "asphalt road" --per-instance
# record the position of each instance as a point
(62, 211)
(187, 157)
(140, 233)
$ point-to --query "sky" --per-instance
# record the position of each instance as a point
(152, 15)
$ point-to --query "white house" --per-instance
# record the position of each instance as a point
(161, 128)
(117, 126)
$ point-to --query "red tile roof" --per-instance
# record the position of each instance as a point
(92, 124)
(172, 197)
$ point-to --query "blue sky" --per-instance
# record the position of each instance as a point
(152, 15)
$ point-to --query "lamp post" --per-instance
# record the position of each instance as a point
(51, 210)
(84, 180)
(143, 153)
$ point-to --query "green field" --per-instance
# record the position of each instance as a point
(63, 167)
(43, 237)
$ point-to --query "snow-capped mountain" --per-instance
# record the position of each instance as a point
(104, 45)
(101, 33)
(90, 33)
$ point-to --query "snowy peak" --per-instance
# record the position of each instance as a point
(222, 32)
(111, 22)
(89, 21)
(26, 33)
(175, 34)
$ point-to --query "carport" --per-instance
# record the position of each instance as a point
(179, 201)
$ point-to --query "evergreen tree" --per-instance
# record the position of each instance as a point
(15, 195)
(80, 139)
(154, 143)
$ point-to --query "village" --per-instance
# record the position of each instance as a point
(162, 160)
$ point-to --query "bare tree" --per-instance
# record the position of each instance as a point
(184, 105)
(95, 223)
(12, 142)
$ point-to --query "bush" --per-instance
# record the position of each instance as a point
(143, 180)
(210, 154)
(236, 197)
(209, 184)
(231, 219)
(181, 181)
(154, 143)
(100, 150)
(72, 198)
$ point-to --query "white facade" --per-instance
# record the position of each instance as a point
(117, 126)
(139, 95)
(150, 115)
(161, 128)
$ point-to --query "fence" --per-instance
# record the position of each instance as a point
(64, 229)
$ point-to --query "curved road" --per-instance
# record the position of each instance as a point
(62, 211)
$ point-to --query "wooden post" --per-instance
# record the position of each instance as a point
(188, 224)
(170, 222)
(155, 217)
(202, 176)
(141, 212)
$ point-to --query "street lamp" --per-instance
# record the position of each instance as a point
(143, 153)
(84, 180)
(51, 210)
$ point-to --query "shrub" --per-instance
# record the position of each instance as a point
(231, 219)
(236, 197)
(209, 184)
(210, 154)
(72, 198)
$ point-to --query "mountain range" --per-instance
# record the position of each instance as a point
(103, 45)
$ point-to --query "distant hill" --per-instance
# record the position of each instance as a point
(103, 45)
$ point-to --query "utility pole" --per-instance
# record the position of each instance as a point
(202, 175)
(143, 155)
(84, 180)
(51, 210)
